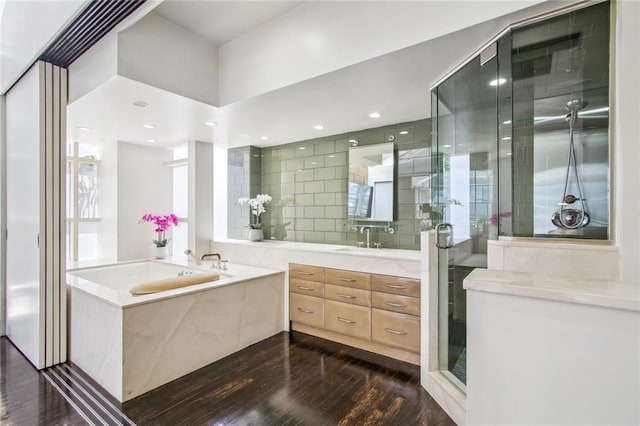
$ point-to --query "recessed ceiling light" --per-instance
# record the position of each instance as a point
(299, 170)
(404, 132)
(375, 115)
(151, 140)
(508, 153)
(506, 122)
(210, 123)
(141, 104)
(318, 127)
(148, 126)
(302, 148)
(264, 138)
(314, 163)
(498, 82)
(86, 129)
(332, 156)
(506, 138)
(446, 146)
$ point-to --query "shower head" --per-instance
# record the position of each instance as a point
(576, 104)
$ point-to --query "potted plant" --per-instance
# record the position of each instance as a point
(257, 208)
(162, 223)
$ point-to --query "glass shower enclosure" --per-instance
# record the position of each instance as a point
(520, 148)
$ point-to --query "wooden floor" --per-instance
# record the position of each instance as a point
(288, 379)
(26, 397)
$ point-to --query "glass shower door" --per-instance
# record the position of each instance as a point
(464, 112)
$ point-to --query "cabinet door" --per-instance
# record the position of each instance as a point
(348, 319)
(352, 296)
(348, 278)
(392, 329)
(306, 310)
(396, 303)
(310, 288)
(396, 285)
(306, 272)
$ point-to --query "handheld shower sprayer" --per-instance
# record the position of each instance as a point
(572, 218)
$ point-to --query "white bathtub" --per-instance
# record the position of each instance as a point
(132, 344)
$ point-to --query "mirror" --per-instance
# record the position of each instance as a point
(370, 191)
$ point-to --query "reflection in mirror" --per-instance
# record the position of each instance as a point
(371, 170)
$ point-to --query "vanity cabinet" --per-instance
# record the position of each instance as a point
(378, 313)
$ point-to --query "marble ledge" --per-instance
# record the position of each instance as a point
(555, 243)
(607, 294)
(384, 253)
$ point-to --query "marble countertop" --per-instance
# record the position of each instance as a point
(386, 253)
(609, 294)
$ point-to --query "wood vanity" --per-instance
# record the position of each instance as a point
(378, 313)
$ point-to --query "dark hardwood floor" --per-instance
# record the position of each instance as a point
(27, 397)
(288, 379)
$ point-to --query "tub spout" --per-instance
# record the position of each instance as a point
(216, 262)
(192, 256)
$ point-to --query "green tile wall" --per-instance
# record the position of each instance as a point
(308, 183)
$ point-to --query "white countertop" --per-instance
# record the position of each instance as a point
(609, 294)
(386, 253)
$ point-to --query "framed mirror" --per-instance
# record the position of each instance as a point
(370, 188)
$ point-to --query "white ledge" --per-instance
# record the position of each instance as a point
(386, 253)
(608, 294)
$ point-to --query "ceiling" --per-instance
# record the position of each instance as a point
(395, 85)
(222, 21)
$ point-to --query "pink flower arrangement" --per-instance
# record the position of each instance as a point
(495, 218)
(162, 223)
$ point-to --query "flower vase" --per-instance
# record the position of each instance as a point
(160, 252)
(256, 235)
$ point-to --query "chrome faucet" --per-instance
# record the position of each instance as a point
(367, 233)
(215, 262)
(192, 256)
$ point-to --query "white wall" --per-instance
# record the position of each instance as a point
(219, 193)
(108, 187)
(24, 292)
(158, 52)
(25, 28)
(145, 185)
(200, 196)
(94, 67)
(626, 179)
(319, 37)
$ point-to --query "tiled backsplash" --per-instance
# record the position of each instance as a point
(308, 183)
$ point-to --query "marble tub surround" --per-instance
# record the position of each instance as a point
(595, 260)
(142, 342)
(551, 350)
(278, 254)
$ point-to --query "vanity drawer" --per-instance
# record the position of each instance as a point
(396, 285)
(396, 303)
(306, 310)
(310, 288)
(353, 296)
(348, 319)
(306, 272)
(348, 278)
(399, 330)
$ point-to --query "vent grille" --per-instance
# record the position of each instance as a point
(96, 20)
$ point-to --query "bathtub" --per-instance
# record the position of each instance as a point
(132, 344)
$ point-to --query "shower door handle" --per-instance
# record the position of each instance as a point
(444, 235)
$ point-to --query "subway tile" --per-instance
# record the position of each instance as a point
(335, 185)
(305, 175)
(324, 225)
(314, 237)
(314, 162)
(294, 165)
(324, 173)
(324, 147)
(304, 200)
(316, 212)
(324, 199)
(287, 177)
(335, 212)
(307, 150)
(299, 187)
(336, 159)
(314, 187)
(341, 172)
(304, 225)
(335, 238)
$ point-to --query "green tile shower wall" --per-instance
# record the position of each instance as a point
(308, 183)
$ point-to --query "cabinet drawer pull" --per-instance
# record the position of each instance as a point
(301, 287)
(401, 287)
(305, 273)
(348, 321)
(346, 280)
(392, 331)
(346, 296)
(305, 311)
(395, 305)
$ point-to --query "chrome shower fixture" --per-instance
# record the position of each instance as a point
(572, 218)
